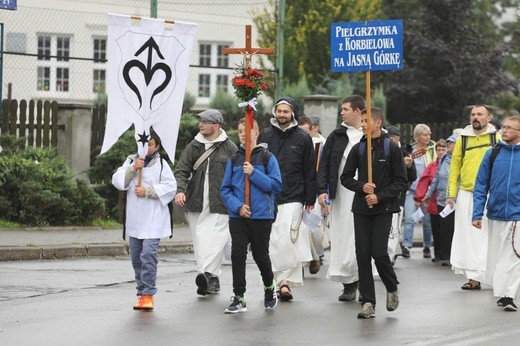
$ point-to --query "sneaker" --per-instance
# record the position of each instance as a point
(314, 266)
(270, 298)
(202, 282)
(445, 263)
(349, 292)
(367, 311)
(214, 285)
(508, 304)
(139, 304)
(405, 252)
(427, 253)
(500, 302)
(238, 304)
(392, 300)
(147, 303)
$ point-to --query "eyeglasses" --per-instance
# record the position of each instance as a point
(509, 128)
(205, 122)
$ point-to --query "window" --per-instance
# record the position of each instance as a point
(222, 82)
(62, 79)
(16, 42)
(63, 48)
(44, 78)
(204, 85)
(205, 54)
(53, 66)
(222, 59)
(99, 81)
(100, 49)
(217, 77)
(44, 47)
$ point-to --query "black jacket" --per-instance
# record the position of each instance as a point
(388, 174)
(330, 160)
(295, 153)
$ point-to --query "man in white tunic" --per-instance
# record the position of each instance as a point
(289, 245)
(469, 248)
(498, 176)
(148, 217)
(199, 174)
(343, 265)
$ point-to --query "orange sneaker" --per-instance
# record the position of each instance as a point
(139, 304)
(147, 303)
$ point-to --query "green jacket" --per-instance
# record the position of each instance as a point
(192, 182)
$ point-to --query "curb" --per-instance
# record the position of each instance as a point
(26, 253)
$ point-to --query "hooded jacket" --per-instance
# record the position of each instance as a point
(294, 150)
(192, 182)
(388, 174)
(464, 168)
(502, 183)
(265, 183)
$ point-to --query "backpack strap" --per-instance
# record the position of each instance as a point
(492, 158)
(386, 148)
(492, 143)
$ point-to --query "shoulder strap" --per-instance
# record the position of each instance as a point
(361, 148)
(493, 138)
(386, 147)
(205, 155)
(492, 158)
(464, 140)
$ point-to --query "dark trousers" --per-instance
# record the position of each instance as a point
(436, 233)
(257, 233)
(372, 242)
(447, 228)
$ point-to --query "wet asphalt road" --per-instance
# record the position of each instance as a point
(89, 302)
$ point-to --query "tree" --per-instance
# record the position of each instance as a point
(453, 56)
(307, 34)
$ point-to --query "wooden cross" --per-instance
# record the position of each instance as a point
(247, 53)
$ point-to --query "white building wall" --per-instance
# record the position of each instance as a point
(221, 21)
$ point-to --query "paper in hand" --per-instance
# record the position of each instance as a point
(418, 215)
(311, 220)
(447, 210)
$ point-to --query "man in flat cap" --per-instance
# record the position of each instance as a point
(199, 174)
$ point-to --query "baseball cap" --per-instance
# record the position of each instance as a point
(211, 115)
(393, 131)
(452, 138)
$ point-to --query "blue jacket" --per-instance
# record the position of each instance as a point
(503, 187)
(440, 182)
(264, 185)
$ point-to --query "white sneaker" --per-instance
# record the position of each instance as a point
(367, 311)
(392, 300)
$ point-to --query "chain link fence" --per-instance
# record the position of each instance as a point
(56, 49)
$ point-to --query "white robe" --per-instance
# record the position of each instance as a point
(288, 248)
(470, 244)
(147, 218)
(343, 264)
(503, 266)
(209, 231)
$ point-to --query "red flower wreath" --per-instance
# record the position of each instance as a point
(249, 83)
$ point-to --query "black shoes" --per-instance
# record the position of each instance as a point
(405, 251)
(427, 253)
(207, 283)
(507, 303)
(349, 292)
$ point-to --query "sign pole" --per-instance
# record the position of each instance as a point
(369, 126)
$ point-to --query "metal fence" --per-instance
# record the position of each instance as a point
(56, 49)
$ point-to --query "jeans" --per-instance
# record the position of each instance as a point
(144, 260)
(257, 233)
(409, 223)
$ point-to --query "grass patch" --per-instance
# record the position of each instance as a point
(106, 223)
(9, 224)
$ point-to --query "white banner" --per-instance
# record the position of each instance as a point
(148, 63)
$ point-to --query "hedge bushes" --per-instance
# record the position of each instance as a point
(38, 189)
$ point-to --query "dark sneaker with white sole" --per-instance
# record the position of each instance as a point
(238, 304)
(508, 304)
